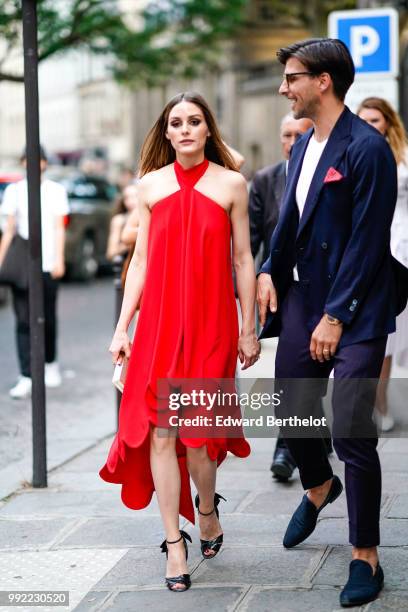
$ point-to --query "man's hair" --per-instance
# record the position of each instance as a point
(286, 119)
(43, 154)
(323, 55)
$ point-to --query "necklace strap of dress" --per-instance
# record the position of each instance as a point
(188, 177)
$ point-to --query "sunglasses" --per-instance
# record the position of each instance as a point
(290, 77)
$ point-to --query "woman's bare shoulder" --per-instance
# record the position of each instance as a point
(149, 181)
(151, 177)
(232, 176)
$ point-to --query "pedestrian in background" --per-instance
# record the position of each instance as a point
(125, 205)
(268, 186)
(265, 198)
(54, 206)
(193, 201)
(380, 114)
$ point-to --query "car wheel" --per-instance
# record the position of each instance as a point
(87, 266)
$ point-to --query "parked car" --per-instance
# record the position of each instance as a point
(90, 203)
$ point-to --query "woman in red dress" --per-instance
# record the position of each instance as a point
(193, 201)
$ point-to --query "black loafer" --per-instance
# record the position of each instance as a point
(362, 586)
(304, 519)
(283, 464)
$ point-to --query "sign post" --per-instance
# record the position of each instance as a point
(36, 299)
(372, 38)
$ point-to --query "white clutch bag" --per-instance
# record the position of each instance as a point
(119, 374)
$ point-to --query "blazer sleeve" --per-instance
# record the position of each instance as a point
(256, 210)
(374, 192)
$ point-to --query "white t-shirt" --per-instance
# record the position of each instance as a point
(311, 159)
(54, 204)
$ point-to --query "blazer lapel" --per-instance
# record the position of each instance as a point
(331, 156)
(295, 166)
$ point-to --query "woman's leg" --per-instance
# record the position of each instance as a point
(203, 471)
(167, 482)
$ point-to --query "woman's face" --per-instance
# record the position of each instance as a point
(187, 129)
(375, 118)
(130, 197)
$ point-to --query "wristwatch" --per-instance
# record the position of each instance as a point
(332, 320)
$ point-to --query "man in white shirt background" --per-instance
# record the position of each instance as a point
(54, 206)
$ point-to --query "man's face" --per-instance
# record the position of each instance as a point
(301, 89)
(43, 164)
(290, 132)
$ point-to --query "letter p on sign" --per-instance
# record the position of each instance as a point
(372, 37)
(364, 41)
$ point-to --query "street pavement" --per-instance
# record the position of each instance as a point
(79, 413)
(76, 535)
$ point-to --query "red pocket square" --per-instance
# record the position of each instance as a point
(332, 176)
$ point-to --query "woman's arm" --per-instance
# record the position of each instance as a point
(249, 347)
(129, 232)
(115, 246)
(135, 280)
(7, 237)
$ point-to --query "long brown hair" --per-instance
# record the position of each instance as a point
(157, 150)
(119, 207)
(395, 134)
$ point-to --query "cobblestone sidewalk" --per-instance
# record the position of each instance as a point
(77, 535)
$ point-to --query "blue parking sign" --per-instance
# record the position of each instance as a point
(371, 36)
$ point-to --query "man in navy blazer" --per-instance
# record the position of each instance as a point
(328, 290)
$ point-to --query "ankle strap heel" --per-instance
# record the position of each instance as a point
(212, 546)
(183, 579)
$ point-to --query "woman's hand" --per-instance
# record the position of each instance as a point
(120, 346)
(249, 349)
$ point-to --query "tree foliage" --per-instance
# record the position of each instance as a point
(176, 37)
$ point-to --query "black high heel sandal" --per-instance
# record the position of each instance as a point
(183, 578)
(215, 544)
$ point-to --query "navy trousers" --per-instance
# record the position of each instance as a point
(353, 403)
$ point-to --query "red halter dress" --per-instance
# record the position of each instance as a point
(187, 328)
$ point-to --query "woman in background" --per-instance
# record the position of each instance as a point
(380, 114)
(125, 206)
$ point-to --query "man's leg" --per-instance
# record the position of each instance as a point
(357, 367)
(50, 316)
(304, 384)
(20, 304)
(21, 310)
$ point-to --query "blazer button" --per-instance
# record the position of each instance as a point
(324, 245)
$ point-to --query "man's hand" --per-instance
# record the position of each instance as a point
(59, 270)
(325, 339)
(266, 297)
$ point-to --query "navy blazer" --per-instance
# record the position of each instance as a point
(341, 245)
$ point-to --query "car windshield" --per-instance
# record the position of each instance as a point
(86, 187)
